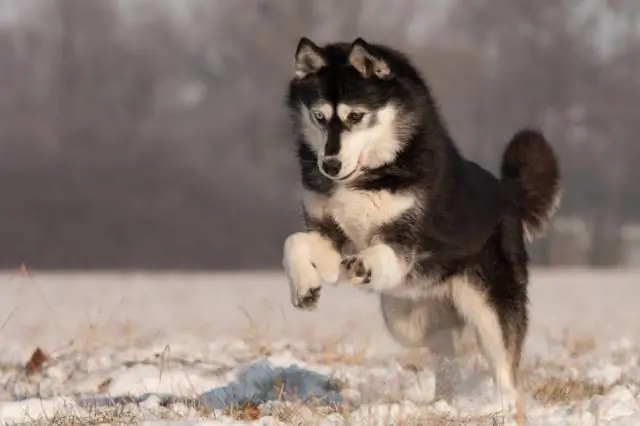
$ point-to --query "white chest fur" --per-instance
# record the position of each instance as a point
(359, 213)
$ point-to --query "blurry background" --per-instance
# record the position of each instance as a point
(152, 133)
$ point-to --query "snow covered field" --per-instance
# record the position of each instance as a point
(160, 349)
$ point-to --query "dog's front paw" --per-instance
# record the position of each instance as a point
(376, 269)
(355, 270)
(307, 301)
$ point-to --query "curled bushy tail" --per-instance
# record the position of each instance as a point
(531, 173)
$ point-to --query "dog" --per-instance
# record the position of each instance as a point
(391, 206)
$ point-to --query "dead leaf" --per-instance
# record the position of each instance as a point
(104, 386)
(24, 270)
(36, 362)
(249, 412)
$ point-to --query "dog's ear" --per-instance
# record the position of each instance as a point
(367, 64)
(309, 59)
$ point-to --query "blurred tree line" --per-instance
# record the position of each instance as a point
(153, 134)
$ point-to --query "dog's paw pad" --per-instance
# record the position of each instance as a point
(309, 300)
(355, 270)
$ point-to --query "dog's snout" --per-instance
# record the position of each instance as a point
(331, 166)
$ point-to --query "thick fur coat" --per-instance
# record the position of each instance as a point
(392, 206)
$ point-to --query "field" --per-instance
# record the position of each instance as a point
(227, 348)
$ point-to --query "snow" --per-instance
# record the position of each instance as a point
(221, 349)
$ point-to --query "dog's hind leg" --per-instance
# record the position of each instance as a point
(473, 305)
(447, 370)
(428, 322)
(500, 329)
(515, 332)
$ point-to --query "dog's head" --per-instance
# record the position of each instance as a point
(352, 104)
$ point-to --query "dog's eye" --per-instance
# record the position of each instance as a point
(319, 116)
(355, 117)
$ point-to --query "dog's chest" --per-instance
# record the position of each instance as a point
(359, 213)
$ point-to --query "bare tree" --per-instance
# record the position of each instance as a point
(162, 142)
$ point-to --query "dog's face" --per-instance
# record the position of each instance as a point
(346, 103)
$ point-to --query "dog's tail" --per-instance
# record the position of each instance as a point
(531, 173)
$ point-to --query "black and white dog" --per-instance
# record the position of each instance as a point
(391, 206)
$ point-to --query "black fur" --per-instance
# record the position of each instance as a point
(471, 222)
(530, 172)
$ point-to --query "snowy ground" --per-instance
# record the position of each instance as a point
(160, 349)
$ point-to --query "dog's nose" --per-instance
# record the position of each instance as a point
(331, 166)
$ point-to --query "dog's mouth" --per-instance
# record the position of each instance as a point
(348, 175)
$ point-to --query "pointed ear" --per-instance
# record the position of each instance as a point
(367, 64)
(309, 59)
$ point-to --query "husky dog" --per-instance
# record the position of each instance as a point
(392, 207)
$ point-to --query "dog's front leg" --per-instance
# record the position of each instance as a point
(378, 268)
(310, 260)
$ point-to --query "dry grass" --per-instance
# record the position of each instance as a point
(118, 415)
(301, 415)
(546, 390)
(333, 353)
(555, 390)
(577, 344)
(555, 387)
(582, 346)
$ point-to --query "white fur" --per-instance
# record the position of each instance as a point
(344, 110)
(308, 61)
(428, 321)
(388, 271)
(413, 322)
(358, 213)
(532, 232)
(313, 133)
(421, 288)
(369, 146)
(303, 250)
(325, 108)
(362, 145)
(473, 306)
(426, 318)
